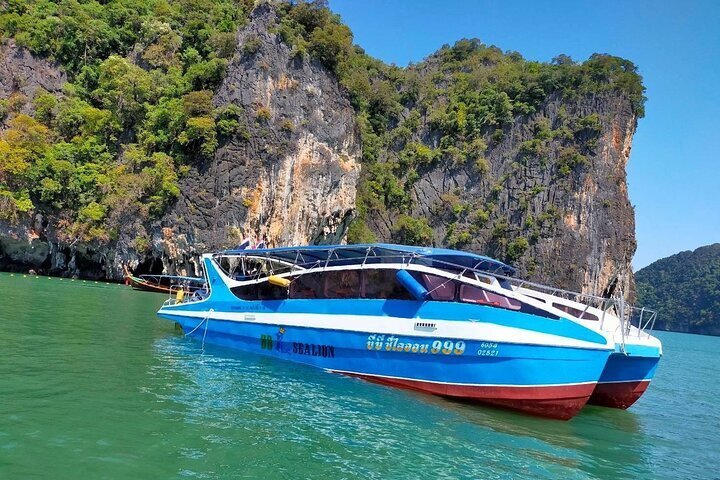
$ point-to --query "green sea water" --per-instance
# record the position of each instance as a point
(94, 385)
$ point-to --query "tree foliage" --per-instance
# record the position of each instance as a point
(684, 289)
(138, 108)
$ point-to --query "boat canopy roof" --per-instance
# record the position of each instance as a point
(307, 256)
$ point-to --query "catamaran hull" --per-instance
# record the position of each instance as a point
(624, 380)
(542, 380)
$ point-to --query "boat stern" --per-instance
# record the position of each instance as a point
(628, 373)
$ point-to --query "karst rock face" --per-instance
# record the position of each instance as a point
(22, 74)
(583, 233)
(290, 176)
(24, 245)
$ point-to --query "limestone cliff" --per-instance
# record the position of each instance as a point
(290, 176)
(547, 192)
(22, 74)
(580, 226)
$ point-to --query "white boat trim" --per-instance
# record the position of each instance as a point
(372, 324)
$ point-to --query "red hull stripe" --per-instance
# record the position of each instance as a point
(557, 401)
(618, 394)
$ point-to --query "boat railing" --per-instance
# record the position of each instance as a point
(177, 295)
(637, 322)
(643, 319)
(369, 256)
(586, 299)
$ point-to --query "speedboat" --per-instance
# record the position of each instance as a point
(440, 321)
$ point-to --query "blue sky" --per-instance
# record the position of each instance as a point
(674, 169)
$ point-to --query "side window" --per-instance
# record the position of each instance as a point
(261, 291)
(588, 316)
(440, 288)
(536, 298)
(503, 301)
(246, 292)
(382, 283)
(575, 312)
(268, 291)
(342, 284)
(309, 285)
(472, 294)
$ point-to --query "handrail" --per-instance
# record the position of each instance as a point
(645, 320)
(414, 258)
(173, 292)
(370, 256)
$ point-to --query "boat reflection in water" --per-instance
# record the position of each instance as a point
(440, 321)
(605, 443)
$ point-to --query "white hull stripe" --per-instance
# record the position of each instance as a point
(347, 372)
(469, 330)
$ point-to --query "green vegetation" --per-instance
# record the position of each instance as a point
(517, 248)
(117, 141)
(684, 289)
(138, 111)
(412, 231)
(466, 94)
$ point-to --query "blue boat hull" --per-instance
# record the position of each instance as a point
(544, 380)
(625, 378)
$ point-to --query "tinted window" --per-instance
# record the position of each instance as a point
(536, 298)
(262, 291)
(371, 283)
(382, 283)
(342, 284)
(472, 294)
(309, 285)
(575, 312)
(268, 291)
(440, 288)
(246, 292)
